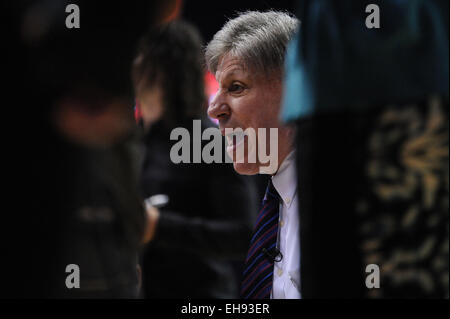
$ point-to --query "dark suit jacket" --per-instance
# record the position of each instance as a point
(203, 231)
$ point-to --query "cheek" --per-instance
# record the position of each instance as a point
(266, 114)
(244, 111)
(258, 109)
(252, 110)
(272, 99)
(271, 111)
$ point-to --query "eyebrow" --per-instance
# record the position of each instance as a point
(232, 70)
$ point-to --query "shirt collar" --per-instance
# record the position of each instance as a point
(285, 180)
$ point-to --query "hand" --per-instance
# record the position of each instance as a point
(152, 214)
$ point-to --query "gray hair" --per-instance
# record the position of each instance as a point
(258, 39)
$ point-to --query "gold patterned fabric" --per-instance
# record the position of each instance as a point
(373, 190)
(404, 210)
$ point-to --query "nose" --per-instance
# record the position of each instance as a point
(218, 108)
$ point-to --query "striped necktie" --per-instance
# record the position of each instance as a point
(258, 270)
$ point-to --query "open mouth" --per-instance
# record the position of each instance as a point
(236, 139)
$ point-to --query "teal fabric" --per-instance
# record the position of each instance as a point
(335, 62)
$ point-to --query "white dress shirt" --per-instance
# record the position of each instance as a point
(286, 276)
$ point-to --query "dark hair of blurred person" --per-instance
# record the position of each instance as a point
(169, 66)
(200, 236)
(73, 150)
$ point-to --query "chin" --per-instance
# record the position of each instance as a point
(246, 168)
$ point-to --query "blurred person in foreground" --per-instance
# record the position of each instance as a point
(247, 57)
(199, 233)
(75, 148)
(371, 108)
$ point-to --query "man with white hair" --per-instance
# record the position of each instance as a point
(247, 58)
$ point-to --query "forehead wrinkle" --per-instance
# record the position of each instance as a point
(229, 73)
(231, 66)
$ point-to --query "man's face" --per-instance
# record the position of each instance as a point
(247, 100)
